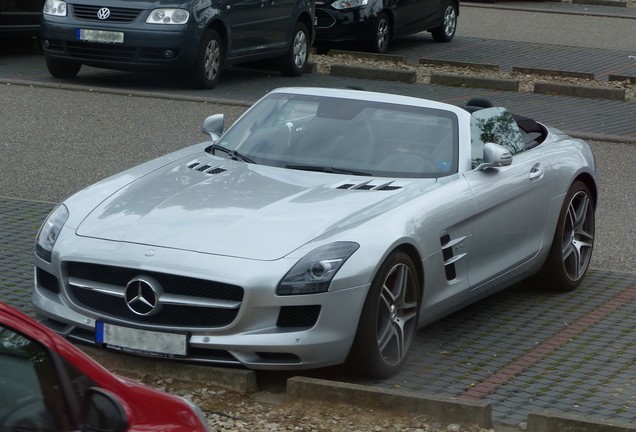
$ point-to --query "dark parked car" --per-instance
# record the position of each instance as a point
(376, 22)
(20, 18)
(195, 37)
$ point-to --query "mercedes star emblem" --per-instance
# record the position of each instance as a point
(142, 296)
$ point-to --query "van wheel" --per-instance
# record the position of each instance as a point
(207, 67)
(294, 62)
(63, 68)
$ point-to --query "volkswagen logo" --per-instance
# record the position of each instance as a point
(103, 13)
(142, 296)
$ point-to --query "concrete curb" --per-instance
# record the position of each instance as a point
(476, 82)
(548, 421)
(563, 73)
(407, 76)
(481, 66)
(615, 3)
(444, 409)
(631, 79)
(579, 91)
(240, 380)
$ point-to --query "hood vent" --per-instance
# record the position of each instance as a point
(370, 185)
(207, 169)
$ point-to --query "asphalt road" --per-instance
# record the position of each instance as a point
(525, 22)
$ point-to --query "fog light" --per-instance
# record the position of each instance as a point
(168, 54)
(45, 43)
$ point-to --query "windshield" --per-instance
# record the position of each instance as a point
(346, 136)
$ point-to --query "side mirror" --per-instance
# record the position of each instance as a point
(102, 412)
(495, 155)
(213, 126)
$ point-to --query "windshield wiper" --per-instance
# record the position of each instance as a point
(325, 169)
(234, 155)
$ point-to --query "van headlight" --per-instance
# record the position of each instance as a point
(49, 232)
(168, 16)
(54, 7)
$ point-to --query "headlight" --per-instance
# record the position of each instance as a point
(313, 273)
(348, 4)
(168, 16)
(49, 232)
(55, 7)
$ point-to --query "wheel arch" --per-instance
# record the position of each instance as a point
(305, 18)
(415, 256)
(589, 181)
(219, 26)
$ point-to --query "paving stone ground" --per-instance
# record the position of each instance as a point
(523, 349)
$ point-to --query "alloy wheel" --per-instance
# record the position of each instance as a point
(300, 49)
(578, 236)
(397, 314)
(450, 21)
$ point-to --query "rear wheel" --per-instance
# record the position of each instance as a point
(207, 67)
(446, 31)
(381, 34)
(388, 321)
(571, 250)
(294, 62)
(63, 68)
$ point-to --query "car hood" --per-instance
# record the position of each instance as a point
(223, 207)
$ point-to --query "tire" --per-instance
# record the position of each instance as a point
(293, 63)
(446, 31)
(571, 250)
(63, 68)
(207, 66)
(388, 322)
(381, 34)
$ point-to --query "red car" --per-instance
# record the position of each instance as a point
(47, 384)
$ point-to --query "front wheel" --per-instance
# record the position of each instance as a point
(63, 68)
(381, 34)
(388, 321)
(446, 31)
(571, 250)
(207, 66)
(294, 62)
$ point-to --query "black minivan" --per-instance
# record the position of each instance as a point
(197, 37)
(20, 18)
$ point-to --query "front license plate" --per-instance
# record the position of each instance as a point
(103, 36)
(141, 341)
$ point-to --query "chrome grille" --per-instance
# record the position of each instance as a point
(120, 15)
(202, 303)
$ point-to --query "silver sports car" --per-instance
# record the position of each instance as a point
(324, 227)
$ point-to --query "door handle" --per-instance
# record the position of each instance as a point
(536, 172)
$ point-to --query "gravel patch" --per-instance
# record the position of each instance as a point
(526, 81)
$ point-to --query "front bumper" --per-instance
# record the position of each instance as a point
(343, 26)
(144, 46)
(266, 332)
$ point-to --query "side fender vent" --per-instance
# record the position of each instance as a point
(448, 253)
